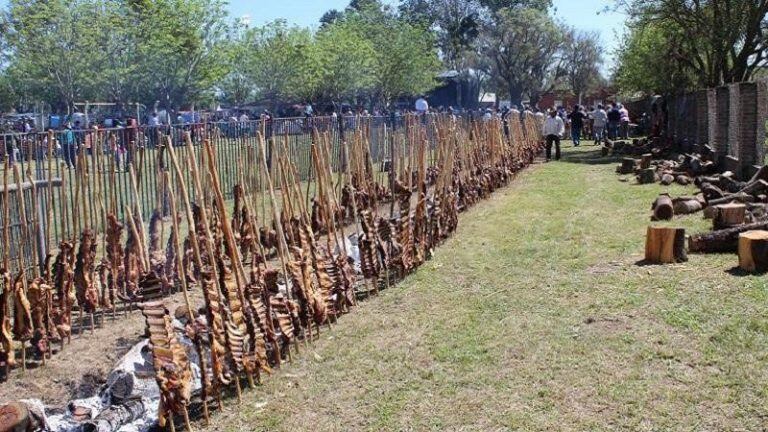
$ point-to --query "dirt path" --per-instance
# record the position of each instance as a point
(535, 316)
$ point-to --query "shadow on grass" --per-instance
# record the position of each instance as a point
(739, 272)
(589, 157)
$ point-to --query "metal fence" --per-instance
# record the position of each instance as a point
(70, 178)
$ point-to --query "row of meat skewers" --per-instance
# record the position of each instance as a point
(265, 287)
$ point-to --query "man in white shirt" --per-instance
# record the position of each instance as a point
(422, 106)
(553, 129)
(600, 118)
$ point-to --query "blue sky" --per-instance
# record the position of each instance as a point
(585, 15)
(582, 14)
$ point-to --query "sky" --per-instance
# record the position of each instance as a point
(585, 15)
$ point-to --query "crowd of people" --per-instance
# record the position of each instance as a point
(18, 139)
(596, 123)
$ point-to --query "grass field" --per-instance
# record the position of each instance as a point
(536, 316)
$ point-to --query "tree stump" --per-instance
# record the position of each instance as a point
(667, 179)
(683, 180)
(665, 245)
(627, 166)
(14, 417)
(729, 215)
(753, 251)
(663, 208)
(646, 176)
(645, 161)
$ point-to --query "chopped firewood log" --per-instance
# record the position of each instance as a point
(627, 166)
(647, 176)
(665, 245)
(14, 417)
(761, 174)
(755, 188)
(684, 207)
(753, 251)
(667, 179)
(737, 197)
(115, 416)
(729, 215)
(663, 208)
(683, 180)
(726, 240)
(645, 161)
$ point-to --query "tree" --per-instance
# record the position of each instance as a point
(344, 61)
(721, 41)
(649, 61)
(179, 52)
(496, 5)
(38, 32)
(456, 23)
(582, 59)
(331, 17)
(522, 51)
(278, 62)
(405, 61)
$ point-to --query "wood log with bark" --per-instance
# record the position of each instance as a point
(665, 245)
(753, 251)
(728, 215)
(725, 240)
(663, 208)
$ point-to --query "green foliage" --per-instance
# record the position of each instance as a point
(65, 51)
(521, 51)
(715, 41)
(648, 62)
(344, 62)
(180, 49)
(582, 58)
(405, 59)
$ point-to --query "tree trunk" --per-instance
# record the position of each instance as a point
(753, 251)
(729, 215)
(726, 240)
(665, 245)
(663, 208)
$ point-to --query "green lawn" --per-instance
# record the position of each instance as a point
(535, 316)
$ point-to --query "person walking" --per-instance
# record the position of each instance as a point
(554, 127)
(576, 118)
(614, 120)
(600, 119)
(624, 121)
(69, 146)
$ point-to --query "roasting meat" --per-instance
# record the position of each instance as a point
(169, 358)
(23, 328)
(64, 289)
(6, 337)
(85, 285)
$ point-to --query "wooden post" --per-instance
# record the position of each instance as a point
(665, 245)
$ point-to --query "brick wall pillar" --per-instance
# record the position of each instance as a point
(743, 123)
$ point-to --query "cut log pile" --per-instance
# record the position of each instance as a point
(737, 207)
(265, 295)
